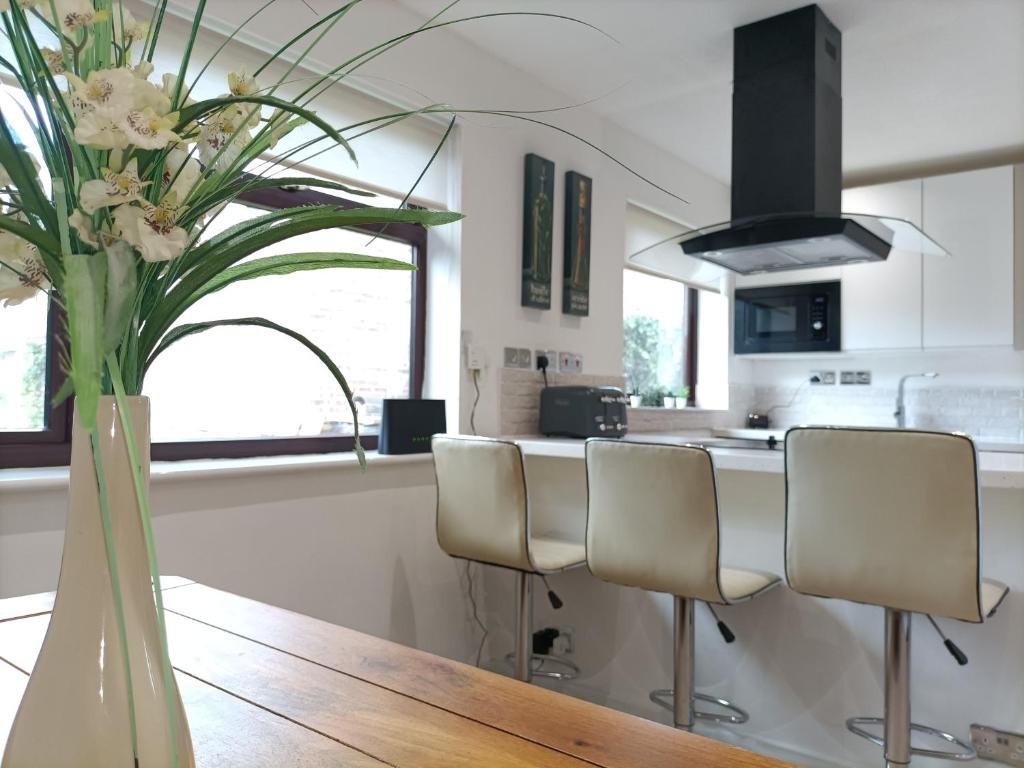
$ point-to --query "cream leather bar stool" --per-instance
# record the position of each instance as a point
(652, 522)
(891, 518)
(483, 514)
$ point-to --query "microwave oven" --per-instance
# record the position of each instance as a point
(804, 317)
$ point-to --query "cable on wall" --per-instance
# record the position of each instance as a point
(476, 612)
(476, 400)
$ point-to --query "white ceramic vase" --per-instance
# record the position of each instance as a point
(74, 713)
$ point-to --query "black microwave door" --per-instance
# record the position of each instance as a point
(799, 318)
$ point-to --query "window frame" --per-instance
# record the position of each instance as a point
(52, 446)
(691, 322)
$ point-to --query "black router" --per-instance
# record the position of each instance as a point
(406, 426)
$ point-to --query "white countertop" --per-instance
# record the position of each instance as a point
(996, 469)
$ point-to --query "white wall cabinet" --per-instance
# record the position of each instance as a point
(968, 297)
(882, 300)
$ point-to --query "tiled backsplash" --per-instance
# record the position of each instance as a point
(520, 395)
(520, 404)
(985, 412)
(995, 413)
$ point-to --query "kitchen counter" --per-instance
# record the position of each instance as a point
(996, 469)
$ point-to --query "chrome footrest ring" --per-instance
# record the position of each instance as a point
(539, 664)
(855, 725)
(664, 697)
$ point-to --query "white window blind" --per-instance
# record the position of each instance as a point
(654, 238)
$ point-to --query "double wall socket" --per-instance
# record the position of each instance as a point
(818, 378)
(570, 362)
(1001, 746)
(518, 357)
(855, 377)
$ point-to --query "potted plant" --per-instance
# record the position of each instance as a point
(682, 397)
(668, 400)
(636, 400)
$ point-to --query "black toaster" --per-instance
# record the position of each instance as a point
(583, 411)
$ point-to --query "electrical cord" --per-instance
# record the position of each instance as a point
(472, 410)
(476, 613)
(792, 400)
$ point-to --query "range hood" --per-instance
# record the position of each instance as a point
(787, 160)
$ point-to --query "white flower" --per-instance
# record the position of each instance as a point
(21, 271)
(98, 131)
(143, 70)
(148, 130)
(223, 131)
(74, 15)
(111, 92)
(113, 189)
(133, 29)
(181, 172)
(152, 229)
(241, 84)
(54, 61)
(148, 95)
(83, 226)
(5, 5)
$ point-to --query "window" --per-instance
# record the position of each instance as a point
(237, 392)
(660, 337)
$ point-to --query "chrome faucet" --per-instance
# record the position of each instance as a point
(901, 410)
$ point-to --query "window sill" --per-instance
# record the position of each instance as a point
(694, 409)
(45, 478)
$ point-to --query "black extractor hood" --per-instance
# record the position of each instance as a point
(787, 158)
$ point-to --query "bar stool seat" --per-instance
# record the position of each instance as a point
(890, 517)
(551, 555)
(992, 594)
(739, 584)
(483, 515)
(653, 523)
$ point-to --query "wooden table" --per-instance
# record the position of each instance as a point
(263, 686)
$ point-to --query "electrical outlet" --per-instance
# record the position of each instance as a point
(863, 377)
(565, 362)
(511, 357)
(525, 358)
(818, 378)
(1001, 746)
(847, 377)
(475, 357)
(552, 357)
(565, 643)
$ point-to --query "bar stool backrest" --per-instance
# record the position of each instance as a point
(885, 517)
(652, 517)
(481, 500)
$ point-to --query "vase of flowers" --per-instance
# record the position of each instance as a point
(104, 207)
(79, 707)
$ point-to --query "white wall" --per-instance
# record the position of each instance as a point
(349, 547)
(483, 276)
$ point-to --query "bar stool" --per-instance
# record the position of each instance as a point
(889, 517)
(483, 514)
(652, 522)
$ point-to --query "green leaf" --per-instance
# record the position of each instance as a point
(299, 262)
(201, 206)
(234, 244)
(195, 111)
(19, 166)
(121, 284)
(188, 329)
(84, 296)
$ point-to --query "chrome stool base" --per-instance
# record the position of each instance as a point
(854, 725)
(539, 662)
(664, 697)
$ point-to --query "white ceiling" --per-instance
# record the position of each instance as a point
(924, 81)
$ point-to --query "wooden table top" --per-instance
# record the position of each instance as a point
(263, 686)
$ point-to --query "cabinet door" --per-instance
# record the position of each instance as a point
(882, 300)
(968, 296)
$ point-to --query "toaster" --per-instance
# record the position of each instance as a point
(583, 411)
